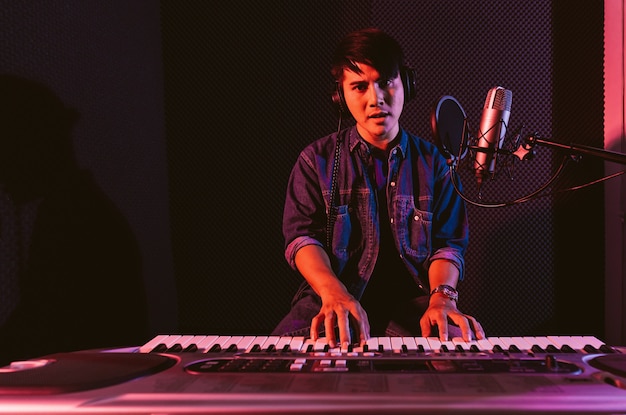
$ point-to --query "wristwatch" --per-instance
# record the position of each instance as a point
(448, 291)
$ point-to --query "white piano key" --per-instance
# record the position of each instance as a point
(270, 341)
(244, 343)
(385, 342)
(579, 342)
(154, 342)
(518, 342)
(194, 341)
(410, 344)
(495, 341)
(523, 344)
(231, 342)
(358, 347)
(258, 342)
(396, 344)
(540, 341)
(282, 342)
(171, 340)
(207, 342)
(422, 341)
(484, 345)
(575, 342)
(222, 341)
(560, 341)
(434, 344)
(449, 344)
(466, 345)
(308, 344)
(182, 341)
(320, 344)
(187, 340)
(296, 343)
(372, 344)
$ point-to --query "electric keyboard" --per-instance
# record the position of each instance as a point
(241, 374)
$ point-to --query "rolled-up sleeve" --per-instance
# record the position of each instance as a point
(304, 216)
(450, 225)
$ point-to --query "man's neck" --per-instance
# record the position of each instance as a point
(383, 143)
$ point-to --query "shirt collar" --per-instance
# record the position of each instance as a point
(355, 141)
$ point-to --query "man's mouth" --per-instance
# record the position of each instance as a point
(379, 115)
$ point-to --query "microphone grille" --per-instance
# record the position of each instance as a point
(499, 98)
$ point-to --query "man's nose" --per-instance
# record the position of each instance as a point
(377, 96)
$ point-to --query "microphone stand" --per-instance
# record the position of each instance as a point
(524, 151)
(534, 139)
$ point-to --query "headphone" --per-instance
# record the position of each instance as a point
(408, 76)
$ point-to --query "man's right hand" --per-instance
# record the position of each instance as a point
(339, 309)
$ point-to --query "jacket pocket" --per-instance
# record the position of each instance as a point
(341, 233)
(415, 230)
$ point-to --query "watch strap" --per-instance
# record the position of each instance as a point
(448, 291)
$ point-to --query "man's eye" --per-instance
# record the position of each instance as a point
(361, 87)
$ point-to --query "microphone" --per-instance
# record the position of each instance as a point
(492, 131)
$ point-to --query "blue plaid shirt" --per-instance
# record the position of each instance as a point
(428, 218)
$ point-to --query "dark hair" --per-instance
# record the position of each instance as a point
(369, 46)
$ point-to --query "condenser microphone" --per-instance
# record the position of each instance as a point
(492, 131)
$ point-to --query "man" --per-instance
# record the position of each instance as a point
(371, 220)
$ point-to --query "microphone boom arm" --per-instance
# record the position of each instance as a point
(534, 139)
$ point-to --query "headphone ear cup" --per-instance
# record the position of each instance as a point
(409, 82)
(338, 100)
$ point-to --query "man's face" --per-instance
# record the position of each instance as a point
(375, 104)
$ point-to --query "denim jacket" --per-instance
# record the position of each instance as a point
(428, 218)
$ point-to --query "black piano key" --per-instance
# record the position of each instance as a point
(405, 349)
(567, 349)
(271, 348)
(175, 348)
(366, 348)
(381, 348)
(191, 348)
(474, 349)
(537, 349)
(444, 348)
(309, 348)
(459, 348)
(256, 348)
(552, 349)
(159, 348)
(286, 348)
(497, 349)
(420, 348)
(232, 348)
(216, 348)
(590, 349)
(514, 349)
(350, 348)
(606, 349)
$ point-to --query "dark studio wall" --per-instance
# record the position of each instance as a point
(193, 113)
(103, 59)
(247, 86)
